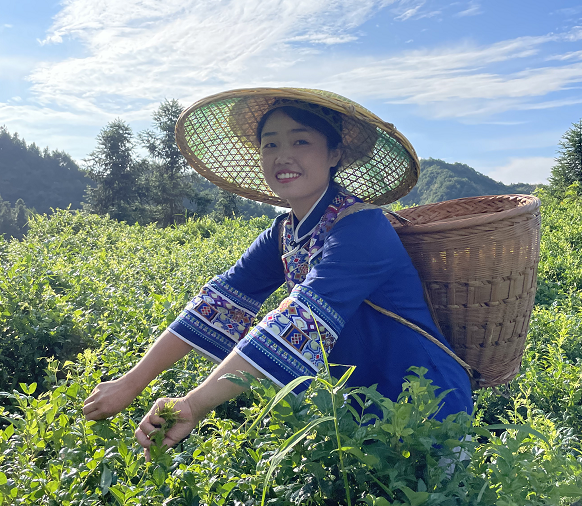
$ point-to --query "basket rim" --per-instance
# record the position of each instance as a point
(526, 204)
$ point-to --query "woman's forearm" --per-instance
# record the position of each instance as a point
(110, 397)
(214, 391)
(164, 353)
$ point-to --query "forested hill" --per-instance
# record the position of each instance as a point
(51, 179)
(43, 179)
(440, 181)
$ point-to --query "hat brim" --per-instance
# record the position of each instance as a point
(217, 136)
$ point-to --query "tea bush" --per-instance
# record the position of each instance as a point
(81, 281)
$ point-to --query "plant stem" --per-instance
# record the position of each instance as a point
(335, 421)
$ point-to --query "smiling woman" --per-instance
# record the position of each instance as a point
(332, 253)
(296, 158)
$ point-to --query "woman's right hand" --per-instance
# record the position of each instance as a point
(108, 399)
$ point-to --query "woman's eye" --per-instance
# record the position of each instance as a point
(268, 145)
(301, 141)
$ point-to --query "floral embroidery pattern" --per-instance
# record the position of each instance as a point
(216, 318)
(298, 264)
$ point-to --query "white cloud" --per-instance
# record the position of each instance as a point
(565, 56)
(139, 52)
(533, 170)
(456, 81)
(473, 9)
(145, 49)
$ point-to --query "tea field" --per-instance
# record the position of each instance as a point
(82, 297)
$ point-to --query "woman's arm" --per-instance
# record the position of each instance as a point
(110, 397)
(196, 404)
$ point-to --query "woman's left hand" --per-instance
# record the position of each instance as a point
(186, 420)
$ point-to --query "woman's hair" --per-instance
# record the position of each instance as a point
(311, 120)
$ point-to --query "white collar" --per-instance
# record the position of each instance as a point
(307, 215)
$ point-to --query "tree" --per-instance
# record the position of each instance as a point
(568, 167)
(226, 205)
(45, 179)
(170, 181)
(13, 222)
(119, 191)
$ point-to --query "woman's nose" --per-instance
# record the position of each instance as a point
(283, 156)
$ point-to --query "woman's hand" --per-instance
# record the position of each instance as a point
(109, 398)
(186, 416)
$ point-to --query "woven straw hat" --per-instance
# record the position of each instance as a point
(217, 135)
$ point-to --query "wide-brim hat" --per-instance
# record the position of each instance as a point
(217, 136)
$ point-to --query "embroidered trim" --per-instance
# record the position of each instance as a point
(215, 321)
(201, 335)
(235, 296)
(289, 336)
(299, 260)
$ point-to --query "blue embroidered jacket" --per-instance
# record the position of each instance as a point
(329, 271)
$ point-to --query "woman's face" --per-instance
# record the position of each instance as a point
(296, 161)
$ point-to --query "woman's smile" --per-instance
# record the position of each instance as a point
(287, 176)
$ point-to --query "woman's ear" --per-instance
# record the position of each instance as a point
(335, 155)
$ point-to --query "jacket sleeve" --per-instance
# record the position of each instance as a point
(361, 253)
(222, 313)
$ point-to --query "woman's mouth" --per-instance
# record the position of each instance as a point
(287, 176)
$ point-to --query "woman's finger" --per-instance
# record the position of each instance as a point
(142, 438)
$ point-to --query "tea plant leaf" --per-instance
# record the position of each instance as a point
(281, 394)
(106, 479)
(569, 491)
(415, 498)
(286, 447)
(520, 428)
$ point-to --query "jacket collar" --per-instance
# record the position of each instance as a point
(305, 227)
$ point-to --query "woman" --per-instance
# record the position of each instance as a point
(332, 253)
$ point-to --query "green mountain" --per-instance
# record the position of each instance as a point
(51, 179)
(43, 179)
(440, 181)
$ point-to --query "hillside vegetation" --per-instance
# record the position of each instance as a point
(46, 180)
(441, 181)
(90, 294)
(43, 179)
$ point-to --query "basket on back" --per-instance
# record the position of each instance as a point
(478, 257)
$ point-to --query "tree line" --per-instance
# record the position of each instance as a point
(160, 187)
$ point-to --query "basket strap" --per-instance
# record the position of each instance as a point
(423, 333)
(473, 375)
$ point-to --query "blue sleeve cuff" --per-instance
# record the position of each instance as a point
(216, 319)
(286, 343)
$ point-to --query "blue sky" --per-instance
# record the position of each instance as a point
(493, 84)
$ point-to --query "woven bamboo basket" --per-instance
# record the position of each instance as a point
(477, 258)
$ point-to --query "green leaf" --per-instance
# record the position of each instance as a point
(236, 379)
(9, 431)
(415, 498)
(3, 479)
(520, 428)
(286, 447)
(342, 381)
(569, 491)
(106, 478)
(119, 495)
(275, 400)
(29, 390)
(226, 488)
(159, 476)
(72, 390)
